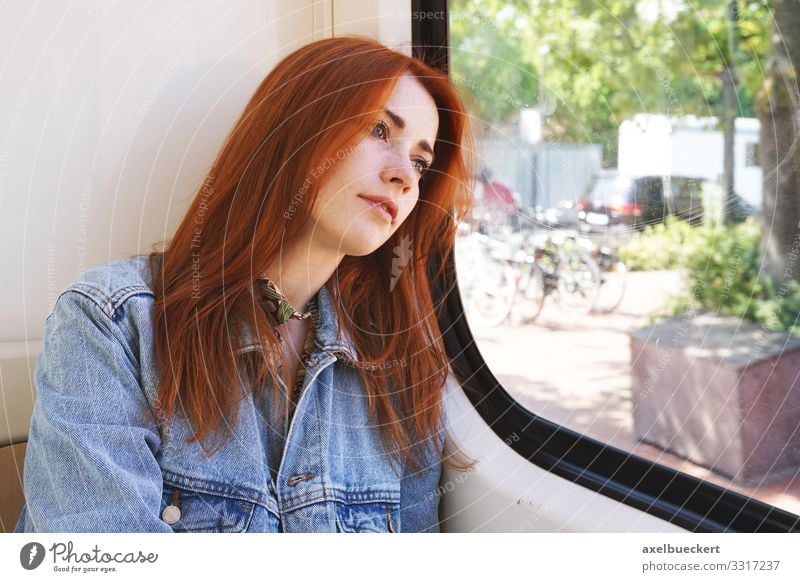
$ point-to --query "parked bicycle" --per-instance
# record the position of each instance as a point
(558, 267)
(613, 278)
(518, 273)
(486, 279)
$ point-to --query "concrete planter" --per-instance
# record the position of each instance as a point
(721, 392)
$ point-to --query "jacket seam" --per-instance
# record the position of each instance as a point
(121, 333)
(202, 485)
(211, 487)
(109, 303)
(322, 447)
(336, 495)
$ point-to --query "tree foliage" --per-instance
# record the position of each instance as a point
(608, 60)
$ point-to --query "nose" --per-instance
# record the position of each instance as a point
(398, 169)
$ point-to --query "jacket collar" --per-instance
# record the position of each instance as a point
(326, 334)
(328, 329)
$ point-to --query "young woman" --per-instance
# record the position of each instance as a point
(278, 365)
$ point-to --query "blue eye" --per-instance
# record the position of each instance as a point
(423, 166)
(381, 125)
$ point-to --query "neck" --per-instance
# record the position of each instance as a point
(300, 270)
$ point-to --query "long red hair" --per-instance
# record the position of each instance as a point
(314, 106)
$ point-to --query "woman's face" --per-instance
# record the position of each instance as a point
(369, 193)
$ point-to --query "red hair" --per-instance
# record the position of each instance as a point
(315, 105)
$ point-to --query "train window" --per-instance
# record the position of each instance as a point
(610, 270)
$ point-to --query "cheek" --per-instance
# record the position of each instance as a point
(408, 207)
(331, 195)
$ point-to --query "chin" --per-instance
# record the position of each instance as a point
(363, 246)
(362, 250)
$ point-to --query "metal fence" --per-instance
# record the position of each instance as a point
(544, 174)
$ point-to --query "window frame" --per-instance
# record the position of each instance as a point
(677, 497)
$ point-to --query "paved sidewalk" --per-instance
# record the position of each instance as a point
(574, 370)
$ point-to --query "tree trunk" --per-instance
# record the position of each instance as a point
(730, 110)
(728, 134)
(779, 150)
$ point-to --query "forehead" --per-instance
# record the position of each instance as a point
(411, 101)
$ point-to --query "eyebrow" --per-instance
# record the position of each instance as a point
(401, 123)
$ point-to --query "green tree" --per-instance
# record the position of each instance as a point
(607, 61)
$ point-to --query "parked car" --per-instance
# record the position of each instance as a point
(564, 215)
(613, 199)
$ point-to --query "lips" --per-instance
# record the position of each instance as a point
(382, 204)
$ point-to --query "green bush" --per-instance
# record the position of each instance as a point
(658, 247)
(722, 273)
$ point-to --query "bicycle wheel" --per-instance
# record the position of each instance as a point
(491, 295)
(613, 278)
(531, 294)
(578, 283)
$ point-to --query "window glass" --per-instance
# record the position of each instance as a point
(611, 269)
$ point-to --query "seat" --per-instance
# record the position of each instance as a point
(17, 361)
(12, 497)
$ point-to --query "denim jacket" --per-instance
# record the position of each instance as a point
(99, 460)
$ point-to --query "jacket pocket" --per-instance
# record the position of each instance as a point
(374, 516)
(187, 510)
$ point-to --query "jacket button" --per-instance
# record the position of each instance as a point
(300, 477)
(171, 514)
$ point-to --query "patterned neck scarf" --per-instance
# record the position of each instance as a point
(279, 307)
(280, 310)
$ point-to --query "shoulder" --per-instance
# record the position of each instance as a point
(112, 284)
(101, 322)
